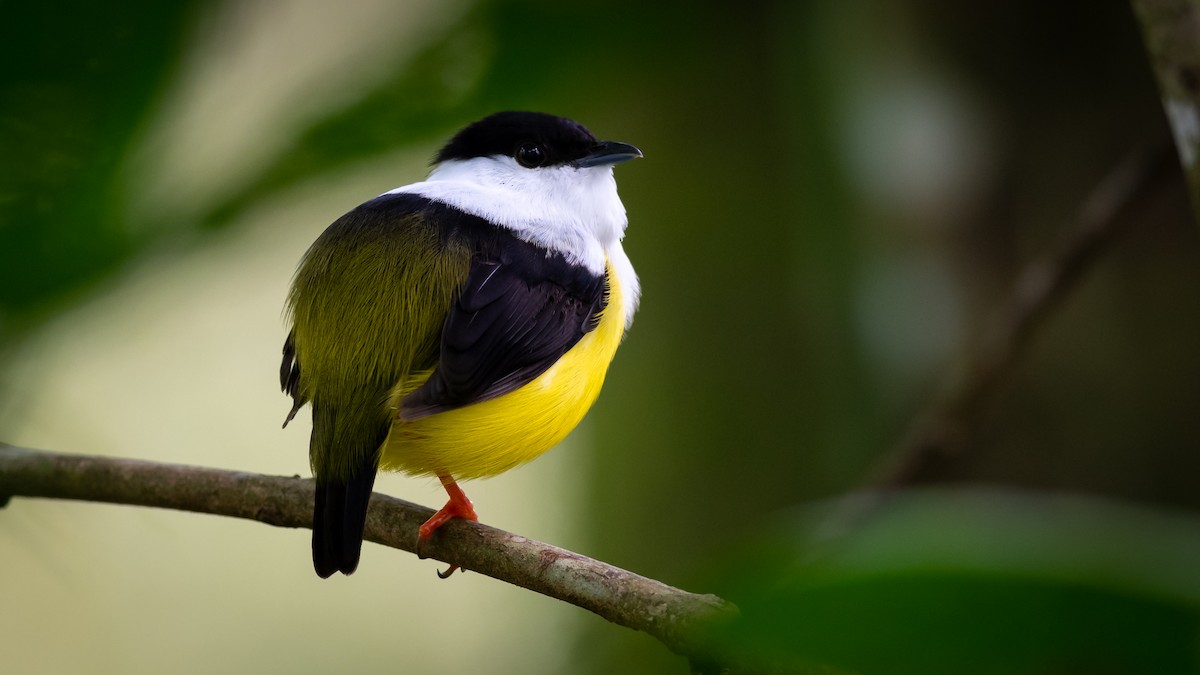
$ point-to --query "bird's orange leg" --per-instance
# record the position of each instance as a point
(458, 507)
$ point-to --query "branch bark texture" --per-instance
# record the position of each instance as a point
(678, 619)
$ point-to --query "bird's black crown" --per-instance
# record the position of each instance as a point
(533, 139)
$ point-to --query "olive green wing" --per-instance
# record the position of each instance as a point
(368, 304)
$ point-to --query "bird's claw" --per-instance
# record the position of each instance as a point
(449, 571)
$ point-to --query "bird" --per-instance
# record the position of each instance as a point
(459, 326)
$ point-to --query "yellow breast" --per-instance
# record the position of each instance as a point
(488, 438)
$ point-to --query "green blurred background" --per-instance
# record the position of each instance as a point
(833, 195)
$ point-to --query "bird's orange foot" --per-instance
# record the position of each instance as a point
(458, 507)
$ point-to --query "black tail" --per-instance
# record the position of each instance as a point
(339, 516)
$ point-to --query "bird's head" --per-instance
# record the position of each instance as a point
(538, 168)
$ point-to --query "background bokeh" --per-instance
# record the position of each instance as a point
(834, 194)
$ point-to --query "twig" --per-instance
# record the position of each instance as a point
(943, 429)
(680, 620)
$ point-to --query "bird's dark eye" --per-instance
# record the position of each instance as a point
(531, 155)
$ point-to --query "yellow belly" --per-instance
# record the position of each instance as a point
(488, 438)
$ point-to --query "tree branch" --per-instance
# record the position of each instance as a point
(678, 619)
(944, 427)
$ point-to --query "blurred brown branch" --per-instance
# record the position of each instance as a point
(678, 619)
(1038, 289)
(1171, 30)
(947, 424)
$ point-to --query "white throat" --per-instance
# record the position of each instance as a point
(575, 212)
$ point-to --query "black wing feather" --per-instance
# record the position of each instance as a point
(522, 308)
(289, 376)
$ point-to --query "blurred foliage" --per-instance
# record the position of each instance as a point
(72, 98)
(783, 271)
(954, 581)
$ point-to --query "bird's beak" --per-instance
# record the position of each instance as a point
(608, 152)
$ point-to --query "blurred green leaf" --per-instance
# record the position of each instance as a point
(71, 99)
(979, 582)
